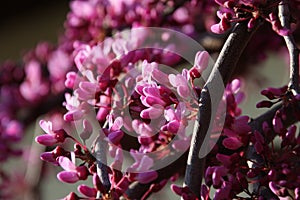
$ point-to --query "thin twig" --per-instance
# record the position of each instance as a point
(223, 69)
(284, 16)
(290, 110)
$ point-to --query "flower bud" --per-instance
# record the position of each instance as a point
(68, 176)
(87, 191)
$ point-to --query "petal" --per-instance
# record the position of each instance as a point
(90, 88)
(216, 29)
(66, 164)
(46, 126)
(173, 80)
(87, 191)
(147, 177)
(152, 112)
(46, 139)
(49, 157)
(173, 126)
(160, 77)
(116, 136)
(201, 60)
(181, 145)
(152, 100)
(145, 164)
(118, 123)
(235, 85)
(73, 115)
(232, 143)
(177, 189)
(68, 177)
(183, 91)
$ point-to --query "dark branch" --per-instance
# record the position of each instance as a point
(102, 168)
(284, 16)
(290, 110)
(223, 69)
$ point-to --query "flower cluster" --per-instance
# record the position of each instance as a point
(143, 113)
(251, 11)
(159, 109)
(233, 173)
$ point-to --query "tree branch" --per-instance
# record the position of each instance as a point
(284, 16)
(102, 169)
(290, 110)
(223, 69)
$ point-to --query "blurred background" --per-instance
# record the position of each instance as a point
(25, 23)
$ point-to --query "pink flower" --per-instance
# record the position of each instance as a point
(87, 191)
(142, 166)
(114, 132)
(52, 137)
(184, 192)
(181, 15)
(146, 177)
(180, 81)
(82, 53)
(72, 173)
(71, 80)
(13, 130)
(83, 9)
(153, 112)
(34, 87)
(58, 64)
(53, 155)
(142, 162)
(115, 136)
(142, 128)
(200, 64)
(74, 107)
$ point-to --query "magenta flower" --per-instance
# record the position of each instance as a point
(83, 9)
(34, 87)
(72, 173)
(52, 137)
(142, 166)
(200, 64)
(74, 107)
(53, 155)
(180, 81)
(87, 191)
(114, 132)
(232, 143)
(82, 53)
(184, 192)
